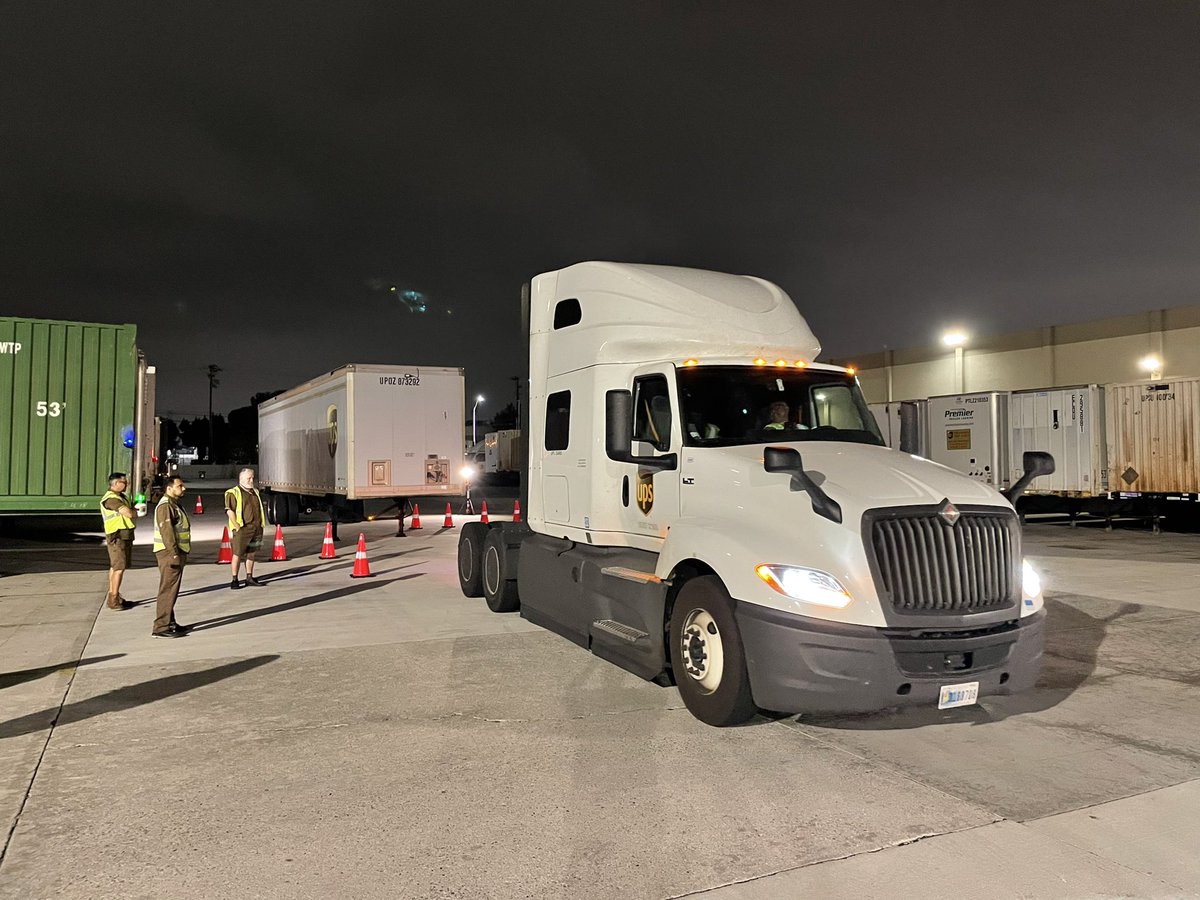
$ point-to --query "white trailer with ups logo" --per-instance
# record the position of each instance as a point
(362, 440)
(706, 505)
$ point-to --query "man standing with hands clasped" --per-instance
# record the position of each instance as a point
(172, 544)
(247, 518)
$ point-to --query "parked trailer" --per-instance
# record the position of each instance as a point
(1153, 435)
(969, 432)
(1069, 424)
(76, 403)
(502, 452)
(362, 439)
(904, 425)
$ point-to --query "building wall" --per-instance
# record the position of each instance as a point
(1100, 352)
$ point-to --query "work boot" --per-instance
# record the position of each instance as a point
(250, 579)
(235, 585)
(117, 602)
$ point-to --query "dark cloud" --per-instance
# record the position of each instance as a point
(232, 176)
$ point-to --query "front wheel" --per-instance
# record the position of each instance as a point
(707, 658)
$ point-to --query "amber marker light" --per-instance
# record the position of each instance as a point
(691, 362)
(800, 364)
(781, 362)
(760, 362)
(851, 370)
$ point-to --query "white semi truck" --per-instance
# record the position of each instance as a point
(707, 506)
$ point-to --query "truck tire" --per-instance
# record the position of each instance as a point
(292, 516)
(470, 558)
(498, 572)
(271, 502)
(707, 658)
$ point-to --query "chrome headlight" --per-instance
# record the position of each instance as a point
(805, 585)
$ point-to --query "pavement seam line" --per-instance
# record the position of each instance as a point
(45, 746)
(1093, 853)
(795, 726)
(916, 839)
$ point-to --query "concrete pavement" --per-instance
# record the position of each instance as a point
(388, 737)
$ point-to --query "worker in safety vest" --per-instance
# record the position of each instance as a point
(119, 524)
(172, 544)
(247, 519)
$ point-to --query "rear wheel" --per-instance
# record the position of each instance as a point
(499, 573)
(292, 505)
(470, 558)
(707, 658)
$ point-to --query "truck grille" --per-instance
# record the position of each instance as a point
(926, 565)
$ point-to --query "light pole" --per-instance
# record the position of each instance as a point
(478, 400)
(956, 338)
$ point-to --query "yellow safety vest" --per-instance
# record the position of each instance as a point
(183, 531)
(113, 520)
(237, 506)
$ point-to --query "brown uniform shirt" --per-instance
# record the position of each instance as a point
(166, 517)
(250, 510)
(114, 503)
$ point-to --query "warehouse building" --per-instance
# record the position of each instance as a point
(1157, 344)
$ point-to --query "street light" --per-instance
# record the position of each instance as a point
(478, 400)
(955, 338)
(1152, 366)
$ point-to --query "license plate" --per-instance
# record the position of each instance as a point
(958, 695)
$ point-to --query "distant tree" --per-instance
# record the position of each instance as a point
(505, 419)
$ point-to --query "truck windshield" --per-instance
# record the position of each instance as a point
(726, 406)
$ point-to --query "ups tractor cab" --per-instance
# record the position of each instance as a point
(707, 506)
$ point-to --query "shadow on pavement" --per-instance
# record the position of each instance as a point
(128, 697)
(1073, 640)
(299, 603)
(289, 574)
(11, 679)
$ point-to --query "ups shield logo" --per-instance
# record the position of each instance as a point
(645, 491)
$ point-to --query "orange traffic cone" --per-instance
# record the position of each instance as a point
(449, 523)
(415, 525)
(361, 568)
(226, 554)
(516, 510)
(328, 551)
(199, 511)
(278, 552)
(483, 516)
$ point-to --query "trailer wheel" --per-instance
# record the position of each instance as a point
(292, 506)
(271, 502)
(707, 658)
(470, 558)
(499, 575)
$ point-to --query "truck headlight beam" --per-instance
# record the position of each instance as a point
(806, 585)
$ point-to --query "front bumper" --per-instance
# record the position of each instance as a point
(799, 664)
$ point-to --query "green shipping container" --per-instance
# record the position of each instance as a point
(69, 393)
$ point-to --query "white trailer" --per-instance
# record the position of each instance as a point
(362, 435)
(904, 425)
(708, 506)
(501, 451)
(969, 432)
(1068, 423)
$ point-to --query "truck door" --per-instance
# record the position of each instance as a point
(649, 498)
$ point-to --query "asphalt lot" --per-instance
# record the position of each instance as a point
(386, 737)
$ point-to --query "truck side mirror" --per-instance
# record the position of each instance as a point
(618, 434)
(1036, 463)
(787, 460)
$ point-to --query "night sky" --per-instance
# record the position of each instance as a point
(245, 181)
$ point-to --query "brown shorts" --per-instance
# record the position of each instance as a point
(246, 541)
(120, 553)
